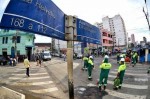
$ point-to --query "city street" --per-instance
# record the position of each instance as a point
(51, 81)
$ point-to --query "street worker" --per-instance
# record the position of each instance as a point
(85, 59)
(27, 65)
(90, 67)
(106, 56)
(134, 56)
(120, 74)
(105, 67)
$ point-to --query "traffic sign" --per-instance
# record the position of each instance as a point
(87, 32)
(37, 16)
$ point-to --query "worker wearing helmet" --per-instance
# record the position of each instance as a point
(105, 67)
(121, 72)
(90, 67)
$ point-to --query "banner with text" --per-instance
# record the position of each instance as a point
(87, 32)
(37, 16)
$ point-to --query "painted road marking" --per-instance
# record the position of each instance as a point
(133, 74)
(45, 90)
(31, 74)
(122, 95)
(28, 78)
(32, 83)
(135, 79)
(125, 96)
(130, 85)
(131, 70)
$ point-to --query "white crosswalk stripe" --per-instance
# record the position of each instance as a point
(125, 96)
(31, 74)
(29, 78)
(133, 74)
(45, 90)
(33, 83)
(130, 85)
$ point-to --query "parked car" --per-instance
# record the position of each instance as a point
(3, 60)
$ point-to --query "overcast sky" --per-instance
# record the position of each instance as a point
(94, 10)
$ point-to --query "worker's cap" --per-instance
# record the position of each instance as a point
(122, 59)
(91, 57)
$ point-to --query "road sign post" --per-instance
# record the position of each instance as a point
(70, 31)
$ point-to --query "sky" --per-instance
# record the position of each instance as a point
(94, 10)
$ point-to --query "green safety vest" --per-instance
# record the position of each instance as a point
(90, 62)
(105, 67)
(85, 58)
(122, 68)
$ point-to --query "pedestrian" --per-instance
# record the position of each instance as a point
(90, 67)
(120, 74)
(105, 67)
(134, 56)
(27, 65)
(85, 59)
(37, 59)
(64, 57)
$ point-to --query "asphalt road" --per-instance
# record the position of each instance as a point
(51, 82)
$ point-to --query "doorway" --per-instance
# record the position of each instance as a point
(29, 52)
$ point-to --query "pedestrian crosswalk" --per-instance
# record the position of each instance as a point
(39, 81)
(135, 84)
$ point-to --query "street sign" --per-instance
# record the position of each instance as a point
(37, 16)
(87, 32)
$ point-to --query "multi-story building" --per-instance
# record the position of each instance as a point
(22, 41)
(107, 40)
(117, 27)
(132, 39)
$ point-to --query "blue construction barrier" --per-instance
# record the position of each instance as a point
(148, 58)
(142, 59)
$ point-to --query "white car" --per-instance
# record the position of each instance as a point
(47, 56)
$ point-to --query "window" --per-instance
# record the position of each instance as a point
(3, 40)
(6, 40)
(18, 39)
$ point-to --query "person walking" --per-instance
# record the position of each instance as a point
(134, 56)
(105, 67)
(85, 59)
(64, 56)
(37, 59)
(27, 65)
(90, 67)
(120, 74)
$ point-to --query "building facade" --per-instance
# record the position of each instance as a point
(22, 41)
(107, 39)
(117, 27)
(132, 38)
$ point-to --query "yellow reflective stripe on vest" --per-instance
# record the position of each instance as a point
(90, 62)
(85, 58)
(105, 66)
(122, 67)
